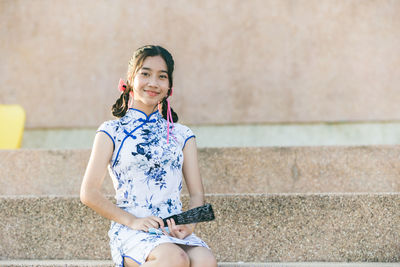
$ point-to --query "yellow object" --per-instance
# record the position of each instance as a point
(12, 122)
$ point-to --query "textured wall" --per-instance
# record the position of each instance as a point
(237, 61)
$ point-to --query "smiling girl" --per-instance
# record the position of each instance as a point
(147, 154)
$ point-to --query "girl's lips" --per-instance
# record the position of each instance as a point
(151, 93)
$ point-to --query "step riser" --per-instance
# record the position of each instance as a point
(55, 263)
(224, 170)
(249, 228)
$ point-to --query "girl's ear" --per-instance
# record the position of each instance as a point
(130, 79)
(130, 102)
(170, 91)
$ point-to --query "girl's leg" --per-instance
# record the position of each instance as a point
(130, 263)
(200, 256)
(166, 254)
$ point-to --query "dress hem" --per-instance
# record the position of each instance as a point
(156, 244)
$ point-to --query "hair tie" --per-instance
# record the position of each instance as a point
(122, 85)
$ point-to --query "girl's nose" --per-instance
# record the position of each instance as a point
(152, 81)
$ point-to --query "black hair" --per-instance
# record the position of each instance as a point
(121, 105)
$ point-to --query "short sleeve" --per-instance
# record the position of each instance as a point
(107, 128)
(187, 134)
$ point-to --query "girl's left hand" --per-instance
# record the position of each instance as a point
(179, 231)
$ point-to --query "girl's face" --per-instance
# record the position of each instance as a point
(151, 83)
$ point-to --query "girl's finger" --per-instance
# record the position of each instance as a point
(173, 225)
(171, 229)
(160, 222)
(164, 232)
(151, 224)
(157, 220)
(176, 229)
(154, 224)
(146, 227)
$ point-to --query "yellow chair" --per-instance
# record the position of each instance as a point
(12, 122)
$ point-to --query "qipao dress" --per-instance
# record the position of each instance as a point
(147, 175)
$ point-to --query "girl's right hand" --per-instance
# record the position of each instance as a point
(145, 223)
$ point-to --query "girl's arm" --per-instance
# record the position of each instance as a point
(194, 185)
(92, 196)
(191, 174)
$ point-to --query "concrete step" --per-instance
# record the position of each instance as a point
(356, 227)
(242, 135)
(224, 170)
(56, 263)
(88, 263)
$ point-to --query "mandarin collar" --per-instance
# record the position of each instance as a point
(133, 114)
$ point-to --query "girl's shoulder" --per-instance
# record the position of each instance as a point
(182, 128)
(109, 126)
(184, 131)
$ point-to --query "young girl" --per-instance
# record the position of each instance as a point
(146, 154)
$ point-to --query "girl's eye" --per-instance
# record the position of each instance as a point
(145, 74)
(163, 76)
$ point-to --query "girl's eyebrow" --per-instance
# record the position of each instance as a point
(145, 68)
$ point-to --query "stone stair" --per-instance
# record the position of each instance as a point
(92, 263)
(279, 214)
(337, 227)
(224, 170)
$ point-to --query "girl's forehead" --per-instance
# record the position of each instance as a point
(155, 63)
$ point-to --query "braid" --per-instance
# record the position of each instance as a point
(164, 111)
(121, 105)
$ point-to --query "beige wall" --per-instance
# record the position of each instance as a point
(236, 61)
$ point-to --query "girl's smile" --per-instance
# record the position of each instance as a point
(150, 84)
(151, 93)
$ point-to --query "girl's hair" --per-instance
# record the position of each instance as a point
(121, 105)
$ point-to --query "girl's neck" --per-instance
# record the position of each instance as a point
(142, 107)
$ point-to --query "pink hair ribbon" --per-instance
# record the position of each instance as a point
(122, 85)
(169, 118)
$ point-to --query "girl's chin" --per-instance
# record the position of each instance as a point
(148, 102)
(152, 102)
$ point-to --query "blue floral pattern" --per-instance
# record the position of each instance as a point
(147, 177)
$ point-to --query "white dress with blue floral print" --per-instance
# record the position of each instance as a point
(147, 177)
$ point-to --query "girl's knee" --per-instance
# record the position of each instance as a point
(201, 257)
(207, 261)
(179, 259)
(170, 255)
(212, 261)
